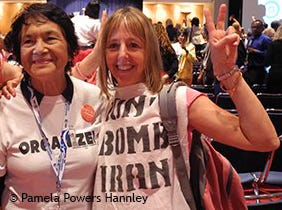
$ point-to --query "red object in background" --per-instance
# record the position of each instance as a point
(79, 57)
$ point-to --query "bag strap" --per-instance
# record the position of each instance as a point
(168, 113)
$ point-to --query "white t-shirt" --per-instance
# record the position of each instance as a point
(135, 163)
(179, 51)
(86, 29)
(30, 178)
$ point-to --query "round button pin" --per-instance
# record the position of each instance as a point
(88, 113)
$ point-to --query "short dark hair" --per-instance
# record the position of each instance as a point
(46, 11)
(275, 24)
(92, 9)
(195, 21)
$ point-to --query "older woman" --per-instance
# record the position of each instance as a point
(48, 148)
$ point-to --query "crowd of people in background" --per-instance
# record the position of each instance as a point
(259, 52)
(185, 51)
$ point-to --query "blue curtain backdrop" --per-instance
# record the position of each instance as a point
(71, 6)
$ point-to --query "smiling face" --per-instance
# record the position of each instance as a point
(44, 50)
(125, 57)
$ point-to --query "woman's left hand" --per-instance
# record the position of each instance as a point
(223, 44)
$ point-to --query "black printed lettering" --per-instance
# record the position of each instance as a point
(80, 137)
(117, 175)
(24, 147)
(158, 136)
(107, 145)
(140, 176)
(122, 108)
(55, 143)
(34, 146)
(133, 135)
(138, 105)
(120, 144)
(89, 137)
(103, 178)
(164, 171)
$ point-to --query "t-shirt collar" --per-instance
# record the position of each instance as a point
(67, 93)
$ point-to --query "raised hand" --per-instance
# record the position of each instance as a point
(223, 43)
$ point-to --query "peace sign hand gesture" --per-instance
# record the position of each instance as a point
(223, 44)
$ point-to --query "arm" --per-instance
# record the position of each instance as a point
(91, 62)
(252, 130)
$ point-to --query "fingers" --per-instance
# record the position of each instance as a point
(209, 22)
(4, 92)
(9, 89)
(228, 46)
(221, 17)
(104, 17)
(230, 40)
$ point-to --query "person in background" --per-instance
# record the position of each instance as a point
(9, 69)
(269, 32)
(196, 36)
(134, 155)
(241, 54)
(47, 137)
(257, 46)
(186, 54)
(206, 76)
(274, 60)
(87, 25)
(171, 30)
(169, 57)
(275, 24)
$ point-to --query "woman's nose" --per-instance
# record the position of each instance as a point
(39, 47)
(123, 51)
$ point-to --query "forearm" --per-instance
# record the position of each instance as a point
(253, 119)
(87, 66)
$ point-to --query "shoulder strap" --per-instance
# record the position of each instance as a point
(168, 113)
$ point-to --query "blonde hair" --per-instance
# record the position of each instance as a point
(269, 32)
(278, 33)
(163, 39)
(139, 25)
(236, 25)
